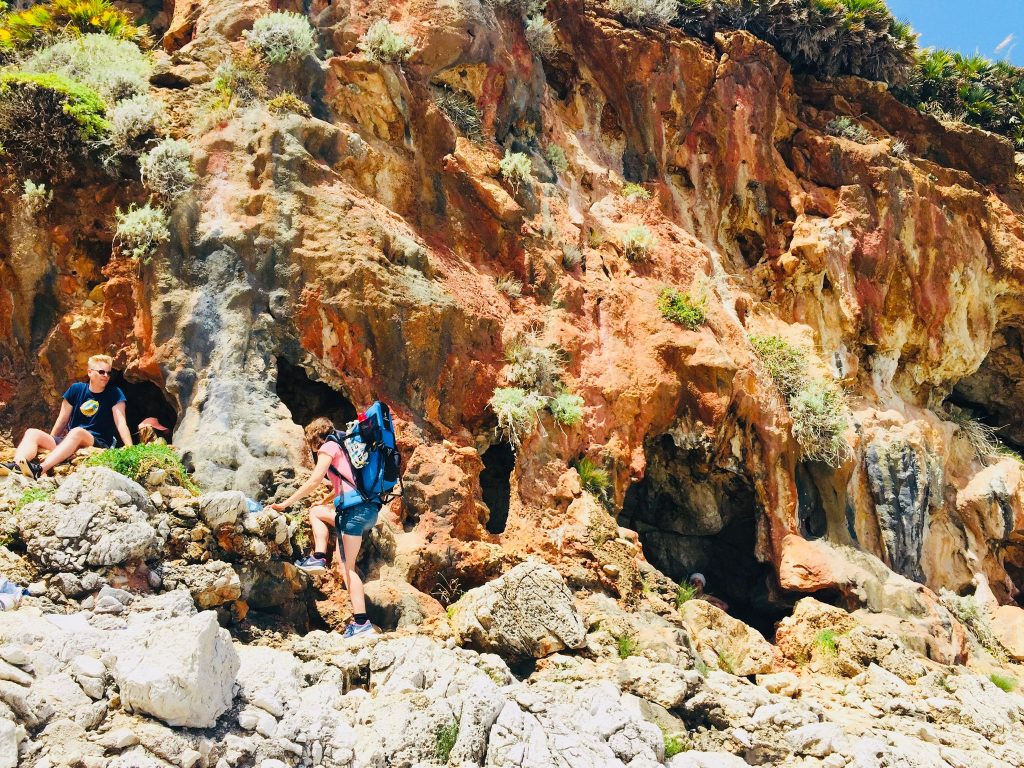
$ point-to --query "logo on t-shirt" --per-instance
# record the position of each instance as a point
(89, 407)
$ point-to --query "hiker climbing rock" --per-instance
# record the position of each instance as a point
(362, 464)
(90, 414)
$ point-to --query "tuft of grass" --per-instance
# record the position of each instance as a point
(509, 285)
(444, 740)
(30, 496)
(684, 594)
(462, 110)
(594, 478)
(141, 231)
(535, 365)
(726, 662)
(382, 43)
(572, 256)
(540, 36)
(637, 243)
(680, 308)
(35, 197)
(288, 102)
(785, 363)
(280, 37)
(136, 461)
(845, 128)
(820, 417)
(556, 158)
(632, 191)
(567, 408)
(1006, 683)
(675, 743)
(899, 149)
(825, 641)
(983, 438)
(516, 170)
(517, 411)
(646, 13)
(626, 645)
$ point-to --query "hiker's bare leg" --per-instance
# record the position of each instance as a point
(77, 438)
(34, 441)
(321, 518)
(354, 585)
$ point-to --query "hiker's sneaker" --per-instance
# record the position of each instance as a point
(7, 467)
(30, 469)
(358, 630)
(311, 564)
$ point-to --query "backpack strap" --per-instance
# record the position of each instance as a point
(337, 438)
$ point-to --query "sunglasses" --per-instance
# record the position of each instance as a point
(101, 372)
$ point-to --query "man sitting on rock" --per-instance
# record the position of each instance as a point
(698, 581)
(90, 412)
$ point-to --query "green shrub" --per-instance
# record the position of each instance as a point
(572, 256)
(141, 230)
(35, 197)
(240, 81)
(626, 646)
(637, 243)
(444, 740)
(684, 594)
(47, 122)
(30, 496)
(135, 462)
(635, 191)
(825, 641)
(847, 129)
(167, 169)
(675, 743)
(820, 417)
(22, 29)
(645, 13)
(461, 109)
(517, 411)
(566, 408)
(593, 478)
(382, 43)
(286, 102)
(509, 285)
(556, 158)
(1006, 683)
(540, 36)
(535, 365)
(134, 122)
(679, 308)
(115, 69)
(786, 364)
(281, 37)
(516, 169)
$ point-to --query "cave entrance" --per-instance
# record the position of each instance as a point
(496, 484)
(144, 399)
(307, 399)
(994, 393)
(692, 516)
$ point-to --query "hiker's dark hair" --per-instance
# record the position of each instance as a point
(317, 431)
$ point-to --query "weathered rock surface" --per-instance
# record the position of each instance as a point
(724, 642)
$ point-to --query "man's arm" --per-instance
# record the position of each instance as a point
(62, 418)
(122, 424)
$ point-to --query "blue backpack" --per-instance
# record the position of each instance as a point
(378, 478)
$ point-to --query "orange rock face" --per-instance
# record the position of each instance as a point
(363, 246)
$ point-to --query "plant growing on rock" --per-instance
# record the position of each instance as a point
(680, 308)
(535, 365)
(646, 13)
(675, 744)
(594, 478)
(572, 256)
(899, 149)
(637, 243)
(115, 69)
(137, 461)
(1003, 682)
(845, 128)
(684, 594)
(31, 496)
(567, 408)
(983, 438)
(820, 417)
(287, 102)
(240, 81)
(382, 43)
(281, 37)
(517, 411)
(47, 122)
(461, 109)
(22, 29)
(444, 741)
(626, 645)
(133, 122)
(140, 231)
(556, 158)
(509, 285)
(826, 642)
(167, 169)
(785, 363)
(35, 197)
(967, 611)
(540, 36)
(632, 191)
(516, 169)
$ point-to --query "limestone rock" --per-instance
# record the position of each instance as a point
(527, 612)
(696, 759)
(396, 604)
(182, 672)
(1008, 627)
(211, 584)
(724, 642)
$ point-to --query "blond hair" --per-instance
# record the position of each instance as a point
(101, 359)
(317, 431)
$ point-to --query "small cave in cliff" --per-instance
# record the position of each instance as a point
(144, 399)
(307, 399)
(496, 484)
(693, 516)
(994, 394)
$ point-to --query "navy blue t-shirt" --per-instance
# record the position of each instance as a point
(94, 411)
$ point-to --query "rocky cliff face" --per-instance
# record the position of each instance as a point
(323, 261)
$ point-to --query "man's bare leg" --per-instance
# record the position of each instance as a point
(34, 441)
(77, 438)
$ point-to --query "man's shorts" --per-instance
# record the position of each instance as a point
(97, 441)
(357, 520)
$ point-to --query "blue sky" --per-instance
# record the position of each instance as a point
(968, 26)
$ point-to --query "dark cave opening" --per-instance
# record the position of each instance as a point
(810, 511)
(496, 484)
(993, 394)
(144, 399)
(691, 517)
(307, 399)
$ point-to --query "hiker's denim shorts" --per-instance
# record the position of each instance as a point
(357, 520)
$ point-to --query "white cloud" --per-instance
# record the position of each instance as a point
(1005, 45)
